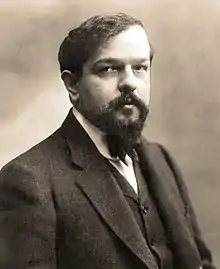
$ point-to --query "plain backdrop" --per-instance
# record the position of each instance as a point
(185, 99)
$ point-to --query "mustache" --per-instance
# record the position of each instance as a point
(127, 99)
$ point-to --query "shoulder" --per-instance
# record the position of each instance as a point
(157, 150)
(34, 168)
(27, 177)
(39, 153)
(164, 160)
(159, 156)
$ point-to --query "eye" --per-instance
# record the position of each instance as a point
(108, 69)
(140, 68)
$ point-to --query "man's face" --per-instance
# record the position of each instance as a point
(114, 90)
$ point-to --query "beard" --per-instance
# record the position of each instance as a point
(122, 134)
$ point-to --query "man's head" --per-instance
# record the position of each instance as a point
(105, 65)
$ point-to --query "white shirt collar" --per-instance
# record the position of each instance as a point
(97, 136)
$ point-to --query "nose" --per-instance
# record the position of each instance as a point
(127, 81)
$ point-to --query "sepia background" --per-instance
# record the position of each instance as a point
(185, 99)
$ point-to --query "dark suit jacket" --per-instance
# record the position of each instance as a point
(61, 208)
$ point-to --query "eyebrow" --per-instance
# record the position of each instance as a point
(111, 60)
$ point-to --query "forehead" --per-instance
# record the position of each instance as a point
(131, 44)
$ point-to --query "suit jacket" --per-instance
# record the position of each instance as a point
(60, 207)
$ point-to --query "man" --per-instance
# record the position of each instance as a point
(96, 194)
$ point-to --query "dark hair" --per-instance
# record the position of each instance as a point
(83, 41)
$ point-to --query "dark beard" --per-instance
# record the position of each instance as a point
(121, 135)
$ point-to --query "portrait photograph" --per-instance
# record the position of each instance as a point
(109, 134)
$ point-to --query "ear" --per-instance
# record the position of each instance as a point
(70, 81)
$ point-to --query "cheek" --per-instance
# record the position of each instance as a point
(143, 92)
(143, 88)
(96, 92)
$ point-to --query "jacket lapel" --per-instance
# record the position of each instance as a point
(100, 187)
(163, 187)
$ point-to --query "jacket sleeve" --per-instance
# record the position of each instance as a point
(202, 248)
(27, 219)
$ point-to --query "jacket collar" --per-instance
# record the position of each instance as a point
(82, 148)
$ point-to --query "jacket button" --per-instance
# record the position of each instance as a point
(152, 242)
(144, 209)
